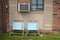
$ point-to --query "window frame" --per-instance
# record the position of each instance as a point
(37, 6)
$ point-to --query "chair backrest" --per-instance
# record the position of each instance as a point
(32, 26)
(18, 26)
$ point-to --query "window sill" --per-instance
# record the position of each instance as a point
(41, 12)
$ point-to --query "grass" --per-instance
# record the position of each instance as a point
(18, 37)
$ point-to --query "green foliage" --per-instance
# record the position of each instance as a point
(33, 34)
(23, 37)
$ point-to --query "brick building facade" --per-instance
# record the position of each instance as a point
(41, 13)
(49, 21)
(56, 15)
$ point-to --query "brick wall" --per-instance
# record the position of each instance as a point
(43, 17)
(56, 15)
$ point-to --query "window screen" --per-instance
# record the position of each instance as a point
(23, 7)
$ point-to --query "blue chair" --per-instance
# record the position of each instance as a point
(32, 27)
(18, 27)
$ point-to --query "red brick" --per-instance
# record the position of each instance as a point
(56, 19)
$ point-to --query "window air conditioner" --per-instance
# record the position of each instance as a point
(23, 7)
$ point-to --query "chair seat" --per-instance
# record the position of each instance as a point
(32, 31)
(17, 31)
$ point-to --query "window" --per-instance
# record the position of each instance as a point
(32, 26)
(18, 26)
(37, 4)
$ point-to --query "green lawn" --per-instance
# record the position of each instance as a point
(18, 37)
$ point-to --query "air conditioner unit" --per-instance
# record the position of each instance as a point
(23, 7)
